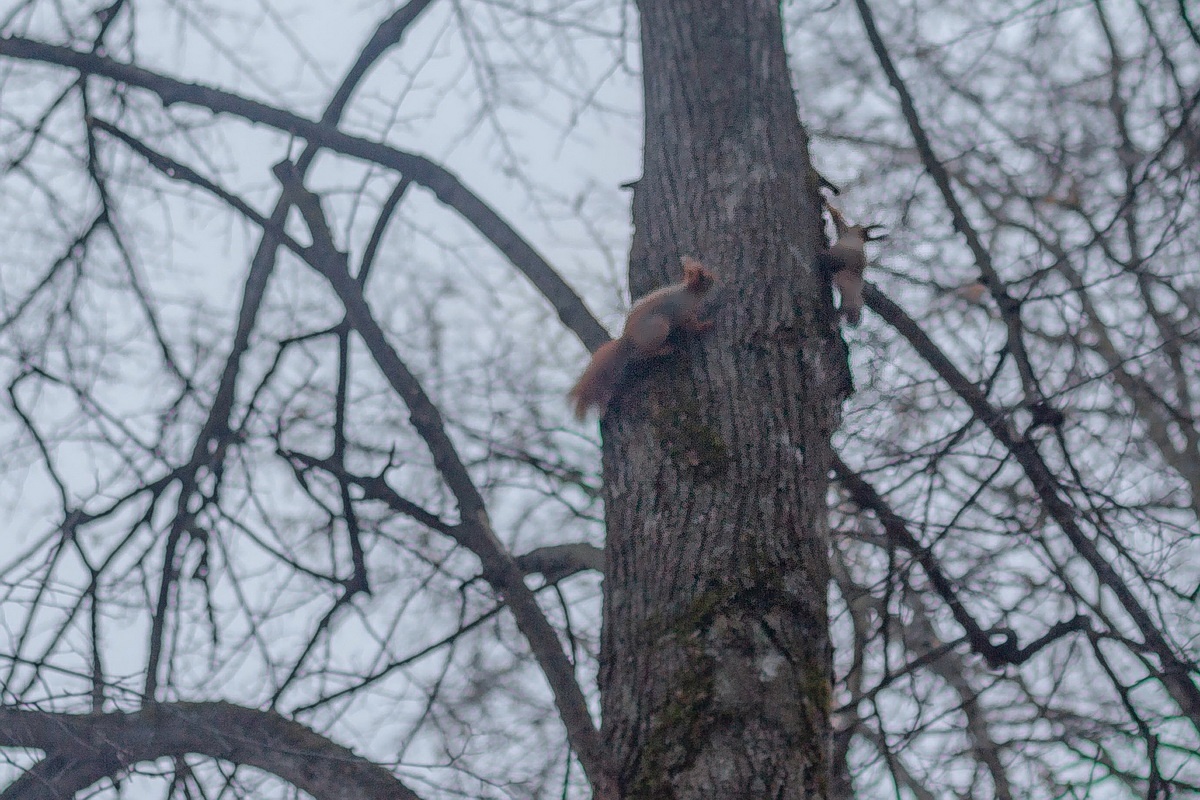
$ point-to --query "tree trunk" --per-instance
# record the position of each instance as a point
(715, 672)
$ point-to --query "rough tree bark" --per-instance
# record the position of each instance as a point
(715, 673)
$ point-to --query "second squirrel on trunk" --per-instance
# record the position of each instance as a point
(845, 261)
(651, 320)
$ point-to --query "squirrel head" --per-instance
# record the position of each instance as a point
(865, 232)
(697, 277)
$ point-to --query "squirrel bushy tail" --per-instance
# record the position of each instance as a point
(599, 381)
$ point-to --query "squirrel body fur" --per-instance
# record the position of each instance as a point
(650, 322)
(846, 260)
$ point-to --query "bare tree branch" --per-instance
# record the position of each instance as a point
(1010, 308)
(103, 745)
(1007, 651)
(1174, 671)
(559, 561)
(474, 530)
(444, 184)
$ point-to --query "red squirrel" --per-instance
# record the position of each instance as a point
(651, 320)
(846, 259)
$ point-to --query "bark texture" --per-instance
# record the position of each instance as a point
(715, 673)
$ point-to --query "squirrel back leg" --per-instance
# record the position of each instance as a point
(693, 324)
(649, 335)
